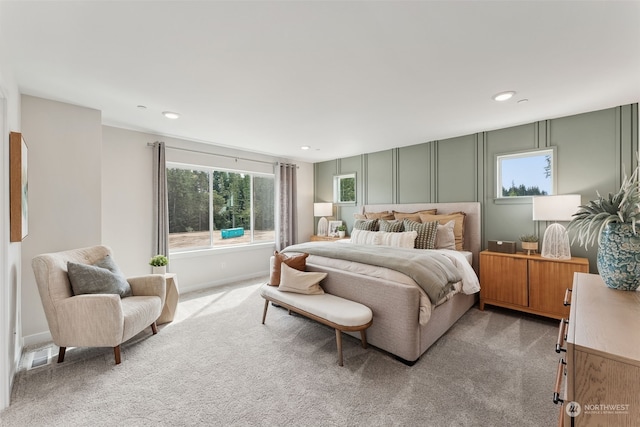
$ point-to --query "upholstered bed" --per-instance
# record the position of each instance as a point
(405, 320)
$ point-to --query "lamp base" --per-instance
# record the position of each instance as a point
(323, 226)
(555, 244)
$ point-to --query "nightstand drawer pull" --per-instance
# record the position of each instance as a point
(567, 298)
(556, 391)
(562, 335)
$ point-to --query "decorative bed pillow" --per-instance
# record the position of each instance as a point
(298, 262)
(426, 233)
(445, 239)
(94, 279)
(365, 237)
(390, 226)
(301, 282)
(458, 229)
(379, 215)
(366, 224)
(414, 216)
(405, 239)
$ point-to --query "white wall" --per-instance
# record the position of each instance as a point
(91, 184)
(10, 253)
(127, 208)
(65, 180)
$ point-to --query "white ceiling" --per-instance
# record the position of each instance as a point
(344, 77)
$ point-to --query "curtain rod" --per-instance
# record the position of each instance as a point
(236, 158)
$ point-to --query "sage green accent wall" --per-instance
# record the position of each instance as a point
(414, 174)
(323, 183)
(592, 152)
(380, 178)
(456, 169)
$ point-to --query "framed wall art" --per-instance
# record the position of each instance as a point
(18, 187)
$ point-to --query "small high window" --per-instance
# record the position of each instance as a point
(344, 189)
(526, 173)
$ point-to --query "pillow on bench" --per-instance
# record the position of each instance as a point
(301, 282)
(299, 262)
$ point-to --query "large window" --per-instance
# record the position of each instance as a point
(216, 208)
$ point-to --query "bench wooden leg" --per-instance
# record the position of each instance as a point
(61, 354)
(363, 337)
(339, 344)
(264, 313)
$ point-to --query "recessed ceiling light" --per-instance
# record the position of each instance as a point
(522, 101)
(503, 96)
(170, 114)
(305, 147)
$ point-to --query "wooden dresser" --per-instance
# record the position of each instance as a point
(600, 345)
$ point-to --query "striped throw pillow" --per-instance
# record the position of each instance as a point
(366, 224)
(426, 233)
(390, 226)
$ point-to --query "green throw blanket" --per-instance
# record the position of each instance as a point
(432, 271)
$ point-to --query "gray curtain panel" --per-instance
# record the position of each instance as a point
(286, 215)
(160, 203)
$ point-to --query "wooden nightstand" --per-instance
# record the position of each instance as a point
(315, 238)
(527, 283)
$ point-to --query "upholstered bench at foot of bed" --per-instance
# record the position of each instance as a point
(338, 313)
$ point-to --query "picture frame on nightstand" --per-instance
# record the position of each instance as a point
(333, 225)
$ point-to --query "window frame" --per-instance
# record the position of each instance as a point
(337, 179)
(229, 247)
(536, 152)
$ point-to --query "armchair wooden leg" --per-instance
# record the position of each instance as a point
(154, 328)
(116, 353)
(61, 354)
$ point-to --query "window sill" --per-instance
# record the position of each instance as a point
(218, 250)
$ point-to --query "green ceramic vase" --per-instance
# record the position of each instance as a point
(619, 257)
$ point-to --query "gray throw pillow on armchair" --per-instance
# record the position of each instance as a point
(103, 277)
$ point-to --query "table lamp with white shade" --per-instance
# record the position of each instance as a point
(323, 210)
(555, 243)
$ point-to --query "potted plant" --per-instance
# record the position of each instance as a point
(341, 229)
(529, 243)
(159, 264)
(611, 222)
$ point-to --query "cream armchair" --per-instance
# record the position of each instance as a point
(94, 320)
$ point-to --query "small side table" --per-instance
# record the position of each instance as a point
(171, 300)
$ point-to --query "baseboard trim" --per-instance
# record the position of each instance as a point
(37, 339)
(222, 282)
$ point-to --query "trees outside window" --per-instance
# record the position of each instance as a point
(214, 208)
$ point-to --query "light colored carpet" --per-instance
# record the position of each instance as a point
(216, 364)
